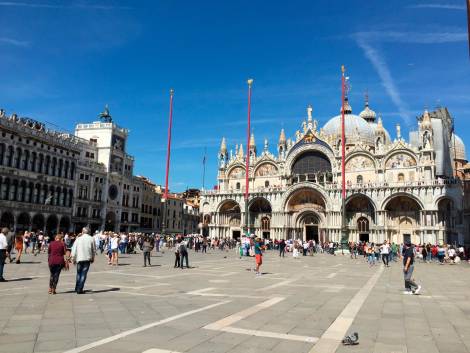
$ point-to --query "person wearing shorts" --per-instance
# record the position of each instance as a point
(258, 255)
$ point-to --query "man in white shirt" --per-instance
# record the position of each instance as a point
(83, 254)
(385, 252)
(3, 251)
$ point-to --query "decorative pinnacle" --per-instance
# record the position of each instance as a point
(172, 91)
(250, 81)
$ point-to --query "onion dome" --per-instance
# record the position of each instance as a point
(356, 129)
(368, 114)
(347, 107)
(457, 148)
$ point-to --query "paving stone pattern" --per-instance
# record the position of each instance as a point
(177, 304)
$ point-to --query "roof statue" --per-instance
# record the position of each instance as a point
(105, 116)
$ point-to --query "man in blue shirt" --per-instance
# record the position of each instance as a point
(258, 255)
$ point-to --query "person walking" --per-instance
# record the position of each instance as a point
(18, 247)
(3, 251)
(258, 255)
(146, 249)
(408, 267)
(385, 252)
(56, 259)
(83, 254)
(183, 254)
(282, 248)
(10, 241)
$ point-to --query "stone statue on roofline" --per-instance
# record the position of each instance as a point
(105, 116)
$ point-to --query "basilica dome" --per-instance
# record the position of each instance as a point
(459, 148)
(356, 129)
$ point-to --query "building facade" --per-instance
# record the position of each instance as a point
(395, 189)
(52, 181)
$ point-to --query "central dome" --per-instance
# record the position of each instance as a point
(356, 129)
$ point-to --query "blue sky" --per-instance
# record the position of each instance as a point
(61, 62)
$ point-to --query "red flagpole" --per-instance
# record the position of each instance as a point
(170, 122)
(468, 24)
(343, 142)
(248, 130)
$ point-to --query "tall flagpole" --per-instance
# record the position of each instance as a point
(204, 170)
(247, 167)
(168, 150)
(343, 155)
(170, 123)
(468, 24)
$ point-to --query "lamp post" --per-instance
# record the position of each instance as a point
(165, 195)
(247, 167)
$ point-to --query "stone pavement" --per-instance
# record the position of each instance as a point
(297, 305)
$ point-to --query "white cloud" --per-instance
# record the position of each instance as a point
(15, 42)
(57, 6)
(414, 37)
(385, 75)
(438, 6)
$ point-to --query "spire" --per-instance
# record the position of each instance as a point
(252, 140)
(265, 145)
(366, 99)
(367, 114)
(282, 137)
(309, 113)
(240, 151)
(223, 146)
(398, 132)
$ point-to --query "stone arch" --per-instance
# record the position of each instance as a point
(360, 205)
(230, 213)
(391, 161)
(227, 205)
(23, 221)
(366, 162)
(304, 186)
(7, 219)
(236, 171)
(52, 224)
(402, 194)
(297, 152)
(38, 222)
(260, 205)
(403, 217)
(64, 224)
(266, 168)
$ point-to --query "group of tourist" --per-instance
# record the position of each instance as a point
(81, 250)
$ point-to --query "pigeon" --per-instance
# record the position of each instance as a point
(351, 340)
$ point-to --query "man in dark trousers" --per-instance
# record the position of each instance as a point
(282, 248)
(408, 266)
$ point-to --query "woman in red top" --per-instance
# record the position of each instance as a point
(56, 259)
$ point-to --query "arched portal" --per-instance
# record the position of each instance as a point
(38, 222)
(359, 205)
(230, 216)
(7, 220)
(403, 219)
(446, 219)
(312, 166)
(259, 210)
(309, 222)
(23, 222)
(51, 225)
(305, 208)
(64, 224)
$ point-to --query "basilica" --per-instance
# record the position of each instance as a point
(397, 189)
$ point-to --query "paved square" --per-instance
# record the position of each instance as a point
(219, 305)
